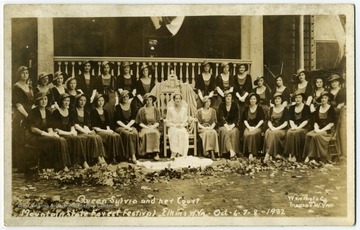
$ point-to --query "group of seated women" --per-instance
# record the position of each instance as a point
(106, 119)
(297, 123)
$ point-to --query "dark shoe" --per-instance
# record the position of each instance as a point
(114, 162)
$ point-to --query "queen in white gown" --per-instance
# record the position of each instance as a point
(176, 120)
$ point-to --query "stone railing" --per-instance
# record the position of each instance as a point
(185, 68)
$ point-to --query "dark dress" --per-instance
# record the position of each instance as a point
(252, 140)
(75, 144)
(112, 141)
(92, 142)
(339, 98)
(107, 87)
(128, 84)
(295, 139)
(205, 87)
(308, 90)
(26, 99)
(53, 149)
(316, 144)
(142, 88)
(72, 98)
(264, 102)
(55, 95)
(224, 85)
(219, 82)
(285, 94)
(274, 141)
(341, 132)
(129, 139)
(86, 87)
(229, 139)
(242, 86)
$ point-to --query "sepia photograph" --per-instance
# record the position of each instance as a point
(179, 115)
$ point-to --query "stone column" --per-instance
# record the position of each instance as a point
(252, 46)
(45, 45)
(301, 42)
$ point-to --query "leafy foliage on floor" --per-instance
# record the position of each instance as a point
(124, 176)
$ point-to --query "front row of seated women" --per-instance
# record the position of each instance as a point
(75, 137)
(285, 134)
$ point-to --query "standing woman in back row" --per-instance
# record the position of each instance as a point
(144, 85)
(205, 83)
(44, 79)
(86, 82)
(58, 88)
(281, 89)
(303, 86)
(224, 81)
(106, 85)
(264, 93)
(242, 85)
(126, 81)
(22, 101)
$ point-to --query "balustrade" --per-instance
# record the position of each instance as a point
(185, 68)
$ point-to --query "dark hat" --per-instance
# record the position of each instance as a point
(21, 69)
(123, 94)
(335, 77)
(257, 80)
(126, 63)
(44, 74)
(63, 96)
(325, 93)
(246, 66)
(277, 95)
(147, 95)
(296, 93)
(40, 95)
(253, 94)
